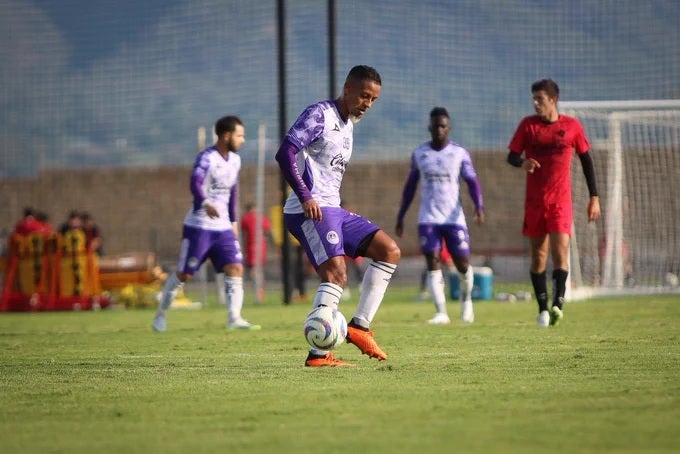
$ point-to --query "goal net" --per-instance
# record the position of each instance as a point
(635, 247)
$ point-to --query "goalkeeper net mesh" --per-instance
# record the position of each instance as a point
(635, 247)
(129, 83)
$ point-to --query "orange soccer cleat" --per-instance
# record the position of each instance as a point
(325, 361)
(363, 339)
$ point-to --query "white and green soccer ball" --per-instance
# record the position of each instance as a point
(325, 328)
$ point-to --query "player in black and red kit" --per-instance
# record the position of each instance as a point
(548, 140)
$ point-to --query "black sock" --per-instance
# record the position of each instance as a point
(559, 286)
(540, 290)
(357, 324)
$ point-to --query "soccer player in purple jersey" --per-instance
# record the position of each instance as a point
(313, 158)
(210, 228)
(441, 163)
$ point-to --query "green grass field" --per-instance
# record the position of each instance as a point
(606, 380)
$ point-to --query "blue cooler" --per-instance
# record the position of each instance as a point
(482, 288)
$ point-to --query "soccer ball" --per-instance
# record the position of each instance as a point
(325, 328)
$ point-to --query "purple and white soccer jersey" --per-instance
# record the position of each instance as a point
(441, 212)
(324, 143)
(440, 172)
(214, 180)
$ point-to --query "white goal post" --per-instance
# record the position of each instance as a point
(635, 247)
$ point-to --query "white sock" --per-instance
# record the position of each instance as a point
(373, 286)
(435, 282)
(221, 289)
(466, 283)
(327, 295)
(234, 289)
(171, 288)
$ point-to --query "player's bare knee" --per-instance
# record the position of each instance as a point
(333, 271)
(538, 259)
(337, 277)
(392, 253)
(233, 270)
(433, 262)
(462, 264)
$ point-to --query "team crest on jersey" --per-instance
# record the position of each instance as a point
(332, 237)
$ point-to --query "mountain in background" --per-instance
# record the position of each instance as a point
(129, 83)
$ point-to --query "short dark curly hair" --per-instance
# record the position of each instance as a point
(438, 112)
(227, 124)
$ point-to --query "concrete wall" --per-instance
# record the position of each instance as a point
(141, 209)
